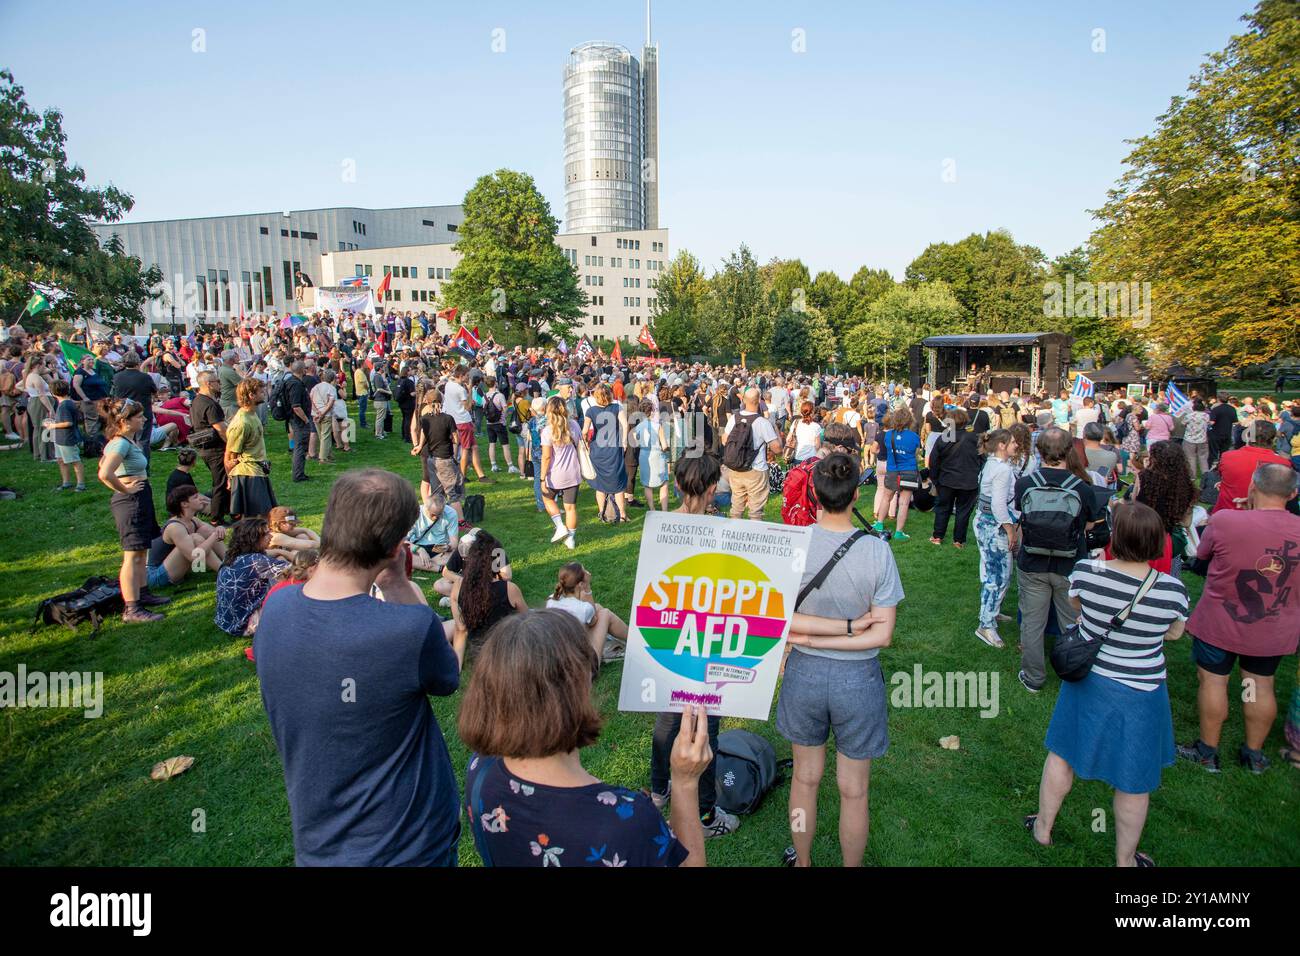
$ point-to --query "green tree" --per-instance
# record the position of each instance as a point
(512, 274)
(678, 311)
(1208, 209)
(803, 340)
(998, 282)
(738, 320)
(45, 233)
(868, 285)
(787, 284)
(832, 296)
(899, 319)
(1100, 331)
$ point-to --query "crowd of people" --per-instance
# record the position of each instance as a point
(1094, 506)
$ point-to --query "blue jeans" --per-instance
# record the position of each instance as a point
(362, 401)
(536, 457)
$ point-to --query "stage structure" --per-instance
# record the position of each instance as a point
(1029, 361)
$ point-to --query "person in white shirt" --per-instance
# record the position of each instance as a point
(456, 403)
(1085, 416)
(323, 396)
(778, 406)
(749, 489)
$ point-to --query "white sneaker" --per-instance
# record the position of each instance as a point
(444, 601)
(723, 823)
(13, 436)
(495, 468)
(660, 800)
(570, 543)
(514, 470)
(560, 532)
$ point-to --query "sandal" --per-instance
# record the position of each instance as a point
(1029, 823)
(1143, 860)
(1291, 755)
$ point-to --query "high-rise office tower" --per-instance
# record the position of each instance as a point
(611, 138)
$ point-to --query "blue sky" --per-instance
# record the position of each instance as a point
(834, 154)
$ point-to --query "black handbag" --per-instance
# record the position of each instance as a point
(1074, 652)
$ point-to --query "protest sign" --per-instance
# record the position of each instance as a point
(711, 610)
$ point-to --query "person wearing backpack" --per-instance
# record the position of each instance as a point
(844, 615)
(747, 440)
(494, 412)
(1056, 506)
(799, 504)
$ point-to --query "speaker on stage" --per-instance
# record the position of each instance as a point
(915, 373)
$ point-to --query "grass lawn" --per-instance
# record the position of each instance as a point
(77, 792)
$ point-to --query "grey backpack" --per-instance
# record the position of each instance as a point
(1052, 517)
(747, 769)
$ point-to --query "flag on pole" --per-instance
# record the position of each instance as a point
(584, 350)
(355, 282)
(1083, 387)
(466, 339)
(648, 340)
(1178, 402)
(37, 304)
(616, 353)
(383, 287)
(562, 347)
(449, 315)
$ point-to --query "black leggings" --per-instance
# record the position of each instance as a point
(665, 732)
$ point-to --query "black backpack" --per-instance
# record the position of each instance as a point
(279, 400)
(1053, 517)
(491, 410)
(747, 769)
(738, 453)
(473, 508)
(93, 601)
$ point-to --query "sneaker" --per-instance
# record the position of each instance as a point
(79, 488)
(990, 637)
(514, 470)
(660, 800)
(570, 542)
(11, 436)
(900, 536)
(789, 857)
(444, 601)
(484, 480)
(62, 487)
(1252, 760)
(633, 503)
(878, 526)
(149, 599)
(560, 532)
(723, 823)
(1199, 752)
(141, 616)
(1028, 686)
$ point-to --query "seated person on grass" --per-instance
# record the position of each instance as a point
(434, 538)
(287, 537)
(172, 554)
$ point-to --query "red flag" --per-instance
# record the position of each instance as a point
(616, 353)
(382, 287)
(464, 335)
(379, 344)
(648, 340)
(449, 315)
(476, 334)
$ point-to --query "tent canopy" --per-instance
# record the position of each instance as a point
(1124, 371)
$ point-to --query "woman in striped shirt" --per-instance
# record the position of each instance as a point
(1115, 724)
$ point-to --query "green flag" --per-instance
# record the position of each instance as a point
(73, 354)
(37, 304)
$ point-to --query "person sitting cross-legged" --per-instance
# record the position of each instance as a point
(173, 552)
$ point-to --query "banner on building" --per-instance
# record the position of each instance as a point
(710, 613)
(356, 301)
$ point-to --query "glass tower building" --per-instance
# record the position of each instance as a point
(610, 139)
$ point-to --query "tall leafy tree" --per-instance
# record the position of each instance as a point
(868, 285)
(998, 282)
(832, 296)
(898, 319)
(739, 320)
(512, 274)
(787, 283)
(678, 312)
(1208, 208)
(1089, 310)
(802, 339)
(45, 217)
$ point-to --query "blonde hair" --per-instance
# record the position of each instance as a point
(557, 417)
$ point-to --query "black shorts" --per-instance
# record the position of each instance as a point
(137, 524)
(568, 495)
(1218, 661)
(497, 434)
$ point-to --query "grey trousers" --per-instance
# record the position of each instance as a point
(1039, 590)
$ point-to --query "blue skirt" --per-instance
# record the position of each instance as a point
(1107, 731)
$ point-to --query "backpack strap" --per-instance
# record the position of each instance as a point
(829, 566)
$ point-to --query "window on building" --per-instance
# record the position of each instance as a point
(264, 230)
(246, 281)
(202, 282)
(388, 270)
(429, 222)
(452, 227)
(267, 289)
(288, 279)
(225, 290)
(257, 291)
(370, 270)
(310, 235)
(593, 240)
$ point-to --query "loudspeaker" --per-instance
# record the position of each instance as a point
(915, 373)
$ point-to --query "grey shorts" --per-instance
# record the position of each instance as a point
(824, 694)
(446, 483)
(68, 454)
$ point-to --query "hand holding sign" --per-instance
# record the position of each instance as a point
(691, 751)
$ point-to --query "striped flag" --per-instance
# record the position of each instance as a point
(465, 338)
(1177, 400)
(355, 282)
(585, 350)
(647, 339)
(1083, 387)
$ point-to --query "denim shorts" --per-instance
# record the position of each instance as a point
(157, 577)
(824, 694)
